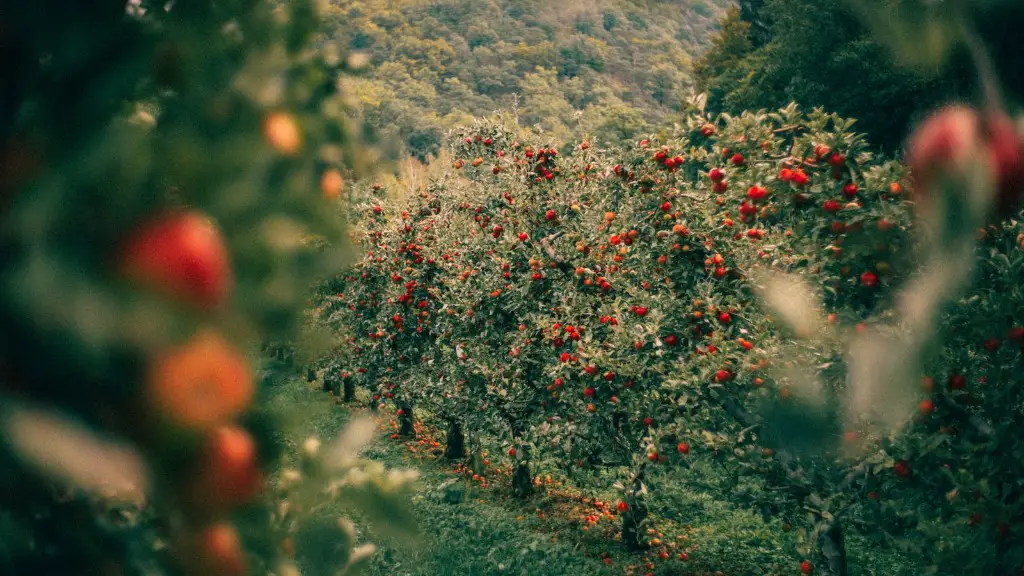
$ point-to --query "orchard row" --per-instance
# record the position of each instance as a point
(614, 310)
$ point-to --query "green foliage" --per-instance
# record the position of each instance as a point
(435, 64)
(161, 214)
(836, 54)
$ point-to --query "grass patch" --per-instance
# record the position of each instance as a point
(490, 532)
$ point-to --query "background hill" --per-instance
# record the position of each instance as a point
(623, 65)
(873, 60)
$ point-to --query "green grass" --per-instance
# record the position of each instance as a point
(474, 537)
(490, 533)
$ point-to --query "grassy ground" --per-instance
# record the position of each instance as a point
(491, 533)
(477, 536)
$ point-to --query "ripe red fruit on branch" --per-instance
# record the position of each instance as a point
(952, 137)
(200, 384)
(716, 174)
(756, 193)
(550, 215)
(622, 506)
(724, 317)
(683, 448)
(1007, 150)
(737, 159)
(512, 452)
(180, 254)
(523, 236)
(926, 407)
(945, 141)
(957, 382)
(228, 474)
(830, 206)
(723, 375)
(217, 551)
(806, 567)
(588, 392)
(869, 279)
(901, 469)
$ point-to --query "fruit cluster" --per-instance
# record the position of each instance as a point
(618, 324)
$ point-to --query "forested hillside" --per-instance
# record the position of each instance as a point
(872, 60)
(625, 65)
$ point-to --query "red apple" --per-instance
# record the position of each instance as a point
(228, 474)
(218, 552)
(181, 254)
(901, 469)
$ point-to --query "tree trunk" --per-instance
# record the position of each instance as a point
(455, 448)
(833, 548)
(405, 419)
(349, 391)
(476, 461)
(522, 482)
(634, 519)
(310, 375)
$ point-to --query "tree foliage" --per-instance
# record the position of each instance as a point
(163, 206)
(836, 54)
(727, 295)
(434, 65)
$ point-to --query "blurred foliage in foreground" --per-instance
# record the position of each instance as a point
(163, 170)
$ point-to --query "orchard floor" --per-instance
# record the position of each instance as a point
(491, 533)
